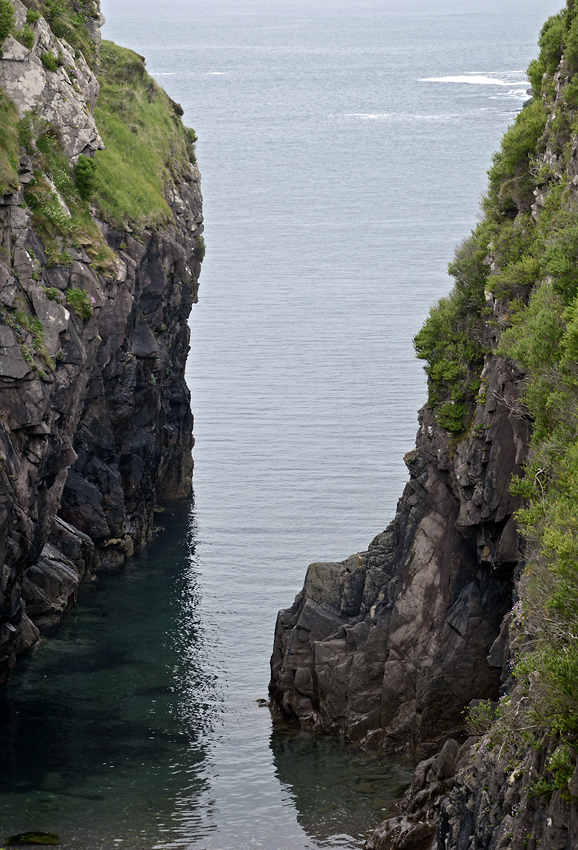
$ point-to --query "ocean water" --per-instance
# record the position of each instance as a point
(343, 148)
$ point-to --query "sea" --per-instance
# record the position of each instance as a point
(343, 147)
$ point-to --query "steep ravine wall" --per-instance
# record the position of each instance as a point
(95, 422)
(388, 647)
(452, 638)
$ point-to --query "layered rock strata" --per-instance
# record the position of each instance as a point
(89, 445)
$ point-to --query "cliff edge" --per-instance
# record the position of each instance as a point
(453, 638)
(100, 253)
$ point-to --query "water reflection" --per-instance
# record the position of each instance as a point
(106, 726)
(137, 724)
(337, 791)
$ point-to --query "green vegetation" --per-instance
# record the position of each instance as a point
(455, 338)
(9, 145)
(28, 329)
(80, 302)
(147, 147)
(452, 339)
(50, 61)
(60, 213)
(69, 20)
(7, 19)
(85, 177)
(533, 256)
(25, 36)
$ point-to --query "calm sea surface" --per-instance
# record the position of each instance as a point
(343, 148)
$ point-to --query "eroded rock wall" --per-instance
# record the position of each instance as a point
(89, 446)
(388, 647)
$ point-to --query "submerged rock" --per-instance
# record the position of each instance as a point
(34, 838)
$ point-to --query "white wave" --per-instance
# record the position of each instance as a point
(473, 79)
(215, 74)
(513, 94)
(392, 116)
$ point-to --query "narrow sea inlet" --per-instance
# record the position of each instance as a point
(120, 732)
(343, 151)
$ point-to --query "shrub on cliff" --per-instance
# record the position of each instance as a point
(85, 177)
(452, 338)
(7, 19)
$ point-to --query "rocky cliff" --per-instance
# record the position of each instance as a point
(388, 647)
(453, 637)
(95, 291)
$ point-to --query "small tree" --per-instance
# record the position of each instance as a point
(7, 19)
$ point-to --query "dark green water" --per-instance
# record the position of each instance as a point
(120, 731)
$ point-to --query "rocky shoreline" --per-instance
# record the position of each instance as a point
(387, 647)
(96, 426)
(451, 639)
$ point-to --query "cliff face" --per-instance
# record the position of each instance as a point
(388, 647)
(95, 424)
(453, 638)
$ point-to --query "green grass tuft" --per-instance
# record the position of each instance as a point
(147, 146)
(9, 145)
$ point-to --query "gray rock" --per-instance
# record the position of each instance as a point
(90, 448)
(393, 643)
(12, 363)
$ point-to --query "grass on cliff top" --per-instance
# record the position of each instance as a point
(147, 146)
(9, 145)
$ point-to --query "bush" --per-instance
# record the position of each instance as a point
(50, 61)
(25, 36)
(535, 72)
(452, 339)
(571, 47)
(551, 42)
(511, 181)
(80, 302)
(85, 177)
(7, 19)
(32, 16)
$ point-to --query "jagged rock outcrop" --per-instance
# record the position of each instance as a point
(413, 821)
(388, 647)
(95, 419)
(492, 807)
(64, 97)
